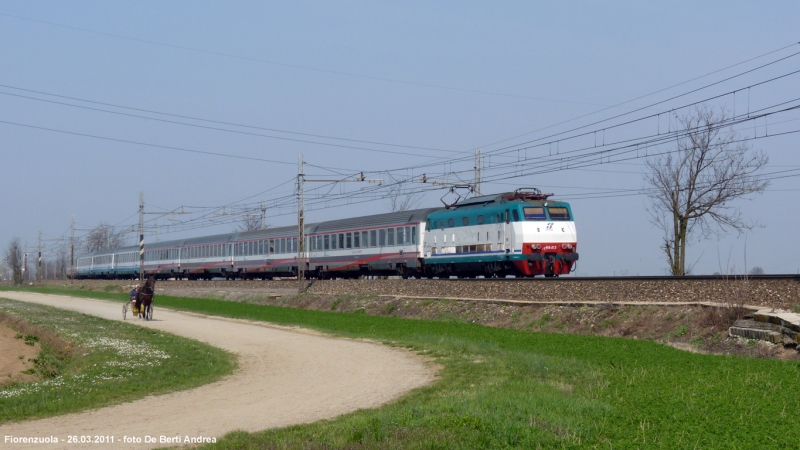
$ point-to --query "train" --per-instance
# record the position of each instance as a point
(520, 233)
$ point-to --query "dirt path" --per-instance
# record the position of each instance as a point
(285, 377)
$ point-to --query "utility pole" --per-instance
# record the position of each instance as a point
(39, 261)
(72, 250)
(301, 226)
(142, 230)
(141, 235)
(301, 232)
(478, 170)
(25, 260)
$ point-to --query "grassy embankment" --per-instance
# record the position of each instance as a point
(87, 362)
(502, 388)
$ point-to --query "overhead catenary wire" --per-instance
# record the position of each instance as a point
(454, 173)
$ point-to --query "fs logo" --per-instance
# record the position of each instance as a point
(549, 226)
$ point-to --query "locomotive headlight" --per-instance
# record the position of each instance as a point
(563, 246)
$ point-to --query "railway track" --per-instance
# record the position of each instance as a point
(726, 278)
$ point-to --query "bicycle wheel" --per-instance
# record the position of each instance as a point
(148, 314)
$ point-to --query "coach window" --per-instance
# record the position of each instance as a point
(364, 239)
(413, 235)
(373, 238)
(357, 239)
(400, 236)
(294, 245)
(391, 237)
(326, 242)
(480, 220)
(516, 215)
(408, 235)
(382, 238)
(451, 223)
(465, 221)
(349, 240)
(271, 248)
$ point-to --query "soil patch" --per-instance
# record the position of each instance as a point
(16, 357)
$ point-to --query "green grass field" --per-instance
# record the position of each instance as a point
(501, 388)
(110, 362)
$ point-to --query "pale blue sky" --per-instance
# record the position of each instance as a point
(444, 77)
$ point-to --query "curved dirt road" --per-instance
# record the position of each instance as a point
(285, 377)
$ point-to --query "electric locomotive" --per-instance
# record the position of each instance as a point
(519, 233)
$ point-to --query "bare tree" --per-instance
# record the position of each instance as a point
(104, 237)
(401, 200)
(692, 188)
(13, 259)
(252, 222)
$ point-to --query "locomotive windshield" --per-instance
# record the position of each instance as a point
(536, 213)
(558, 213)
